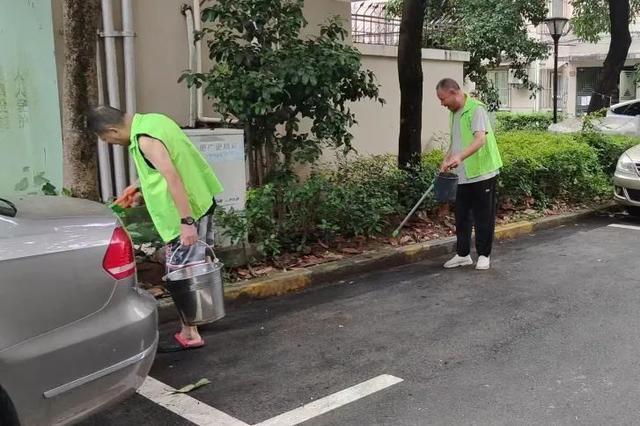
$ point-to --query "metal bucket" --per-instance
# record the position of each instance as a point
(446, 187)
(197, 291)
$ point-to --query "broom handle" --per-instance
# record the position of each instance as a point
(413, 210)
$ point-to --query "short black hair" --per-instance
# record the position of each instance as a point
(447, 84)
(101, 117)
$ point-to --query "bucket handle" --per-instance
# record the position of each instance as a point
(215, 258)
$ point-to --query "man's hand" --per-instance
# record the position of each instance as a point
(131, 197)
(443, 165)
(451, 162)
(188, 235)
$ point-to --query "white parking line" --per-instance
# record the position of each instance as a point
(201, 414)
(615, 225)
(331, 402)
(186, 407)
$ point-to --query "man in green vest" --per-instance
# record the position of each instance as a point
(177, 184)
(473, 155)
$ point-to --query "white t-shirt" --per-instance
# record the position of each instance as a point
(479, 123)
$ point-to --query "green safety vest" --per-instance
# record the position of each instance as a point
(199, 180)
(485, 160)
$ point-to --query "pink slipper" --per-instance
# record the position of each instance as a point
(188, 344)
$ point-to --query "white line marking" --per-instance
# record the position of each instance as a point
(185, 406)
(615, 225)
(331, 402)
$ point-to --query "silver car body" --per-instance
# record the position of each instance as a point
(626, 179)
(73, 339)
(621, 119)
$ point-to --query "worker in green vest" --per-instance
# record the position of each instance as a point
(473, 155)
(178, 186)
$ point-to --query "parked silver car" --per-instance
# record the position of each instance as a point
(626, 180)
(76, 333)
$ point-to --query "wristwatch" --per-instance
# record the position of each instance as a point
(188, 221)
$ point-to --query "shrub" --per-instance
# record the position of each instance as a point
(608, 148)
(537, 121)
(365, 196)
(548, 166)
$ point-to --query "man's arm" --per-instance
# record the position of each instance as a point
(157, 154)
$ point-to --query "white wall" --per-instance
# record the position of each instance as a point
(379, 126)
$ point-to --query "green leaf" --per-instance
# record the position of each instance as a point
(188, 388)
(209, 14)
(49, 189)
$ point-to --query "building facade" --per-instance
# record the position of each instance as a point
(579, 66)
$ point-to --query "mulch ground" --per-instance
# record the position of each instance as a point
(422, 228)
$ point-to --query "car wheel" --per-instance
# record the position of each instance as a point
(8, 416)
(634, 211)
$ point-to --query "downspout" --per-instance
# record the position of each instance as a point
(193, 101)
(112, 87)
(104, 159)
(128, 35)
(197, 20)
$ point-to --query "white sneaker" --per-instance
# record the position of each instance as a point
(484, 262)
(458, 261)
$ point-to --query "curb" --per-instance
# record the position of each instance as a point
(291, 281)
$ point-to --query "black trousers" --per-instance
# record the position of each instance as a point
(476, 205)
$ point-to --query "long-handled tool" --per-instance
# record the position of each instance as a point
(413, 210)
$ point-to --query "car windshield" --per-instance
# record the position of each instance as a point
(632, 109)
(7, 208)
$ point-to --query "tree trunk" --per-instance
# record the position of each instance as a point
(411, 82)
(79, 90)
(617, 55)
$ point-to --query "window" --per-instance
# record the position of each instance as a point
(547, 90)
(556, 8)
(500, 80)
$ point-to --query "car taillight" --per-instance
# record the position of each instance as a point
(119, 261)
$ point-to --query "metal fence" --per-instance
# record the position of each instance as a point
(371, 24)
(370, 29)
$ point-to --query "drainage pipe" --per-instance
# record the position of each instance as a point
(113, 89)
(197, 20)
(104, 158)
(129, 68)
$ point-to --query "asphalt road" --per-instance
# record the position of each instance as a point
(550, 336)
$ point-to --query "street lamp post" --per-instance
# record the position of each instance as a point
(556, 27)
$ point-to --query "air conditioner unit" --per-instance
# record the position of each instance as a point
(224, 151)
(513, 80)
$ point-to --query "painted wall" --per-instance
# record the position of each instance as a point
(379, 126)
(162, 50)
(161, 56)
(30, 128)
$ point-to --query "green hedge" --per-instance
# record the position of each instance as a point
(546, 166)
(608, 148)
(509, 121)
(368, 196)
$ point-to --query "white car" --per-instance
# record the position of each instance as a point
(620, 119)
(626, 180)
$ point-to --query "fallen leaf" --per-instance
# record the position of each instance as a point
(157, 291)
(243, 273)
(406, 240)
(186, 389)
(351, 250)
(264, 271)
